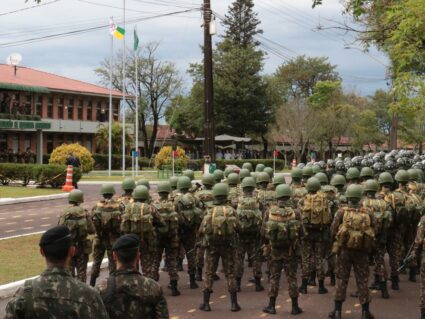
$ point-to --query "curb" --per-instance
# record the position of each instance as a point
(9, 201)
(8, 290)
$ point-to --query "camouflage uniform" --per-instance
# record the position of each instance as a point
(298, 191)
(418, 251)
(127, 294)
(55, 294)
(80, 225)
(106, 217)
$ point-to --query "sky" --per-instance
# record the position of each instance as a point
(290, 28)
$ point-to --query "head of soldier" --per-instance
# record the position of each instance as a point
(233, 180)
(141, 194)
(248, 185)
(220, 193)
(386, 181)
(128, 185)
(208, 181)
(370, 188)
(354, 194)
(173, 182)
(125, 252)
(313, 185)
(263, 179)
(107, 191)
(184, 184)
(56, 247)
(76, 197)
(283, 194)
(339, 182)
(402, 177)
(164, 190)
(296, 175)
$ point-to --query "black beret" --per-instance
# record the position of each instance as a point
(126, 242)
(55, 235)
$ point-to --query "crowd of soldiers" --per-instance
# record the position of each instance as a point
(332, 217)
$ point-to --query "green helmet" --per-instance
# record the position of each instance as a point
(366, 172)
(269, 171)
(248, 182)
(107, 189)
(279, 179)
(244, 172)
(313, 184)
(296, 173)
(76, 196)
(128, 184)
(385, 178)
(173, 181)
(260, 167)
(402, 176)
(316, 169)
(307, 171)
(218, 175)
(144, 182)
(263, 177)
(338, 180)
(208, 179)
(189, 173)
(283, 190)
(413, 175)
(233, 179)
(421, 174)
(354, 191)
(220, 189)
(322, 177)
(228, 171)
(141, 192)
(371, 185)
(184, 183)
(247, 166)
(352, 173)
(164, 187)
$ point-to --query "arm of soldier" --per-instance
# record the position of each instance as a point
(420, 236)
(99, 310)
(161, 307)
(90, 225)
(336, 223)
(157, 218)
(298, 217)
(15, 308)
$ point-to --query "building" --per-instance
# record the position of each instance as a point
(40, 111)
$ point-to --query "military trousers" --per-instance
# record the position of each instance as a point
(359, 261)
(422, 304)
(252, 249)
(165, 246)
(79, 265)
(395, 248)
(313, 255)
(213, 255)
(188, 242)
(287, 262)
(148, 255)
(378, 258)
(99, 248)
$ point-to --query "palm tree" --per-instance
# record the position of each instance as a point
(102, 139)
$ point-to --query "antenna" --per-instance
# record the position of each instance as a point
(13, 60)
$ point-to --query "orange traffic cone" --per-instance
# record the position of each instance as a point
(68, 183)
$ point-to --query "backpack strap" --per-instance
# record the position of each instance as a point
(28, 299)
(111, 287)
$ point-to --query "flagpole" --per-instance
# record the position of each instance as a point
(111, 62)
(123, 97)
(136, 148)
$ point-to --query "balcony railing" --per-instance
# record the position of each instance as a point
(20, 117)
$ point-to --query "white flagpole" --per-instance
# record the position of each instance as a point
(123, 97)
(111, 62)
(137, 108)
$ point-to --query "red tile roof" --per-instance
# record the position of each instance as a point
(165, 132)
(31, 77)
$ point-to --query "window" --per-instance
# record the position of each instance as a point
(27, 106)
(88, 144)
(89, 110)
(60, 139)
(27, 141)
(39, 105)
(116, 110)
(70, 109)
(80, 109)
(98, 111)
(50, 107)
(3, 141)
(50, 145)
(60, 108)
(15, 143)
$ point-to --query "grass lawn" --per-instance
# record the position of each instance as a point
(20, 191)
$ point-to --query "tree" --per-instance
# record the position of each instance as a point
(159, 83)
(412, 129)
(102, 139)
(365, 130)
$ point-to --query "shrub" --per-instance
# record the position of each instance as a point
(164, 158)
(101, 161)
(221, 164)
(61, 153)
(7, 172)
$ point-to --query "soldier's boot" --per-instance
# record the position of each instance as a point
(296, 310)
(366, 314)
(333, 279)
(376, 284)
(336, 313)
(238, 284)
(179, 264)
(258, 285)
(394, 283)
(322, 288)
(206, 305)
(198, 276)
(422, 313)
(234, 306)
(193, 284)
(174, 290)
(412, 274)
(384, 290)
(216, 277)
(271, 308)
(303, 287)
(312, 279)
(93, 281)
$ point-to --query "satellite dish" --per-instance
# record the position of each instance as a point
(14, 59)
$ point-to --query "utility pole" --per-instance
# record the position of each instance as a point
(209, 127)
(394, 118)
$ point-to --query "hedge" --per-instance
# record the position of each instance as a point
(221, 164)
(53, 175)
(101, 161)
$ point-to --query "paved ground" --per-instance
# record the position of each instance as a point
(402, 304)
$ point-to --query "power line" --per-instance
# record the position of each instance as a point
(28, 8)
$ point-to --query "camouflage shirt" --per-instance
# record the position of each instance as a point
(129, 295)
(55, 294)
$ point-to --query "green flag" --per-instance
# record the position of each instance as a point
(136, 40)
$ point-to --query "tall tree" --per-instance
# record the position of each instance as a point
(102, 139)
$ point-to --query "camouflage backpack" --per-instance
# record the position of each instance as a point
(250, 217)
(315, 210)
(75, 218)
(356, 232)
(397, 200)
(266, 197)
(107, 217)
(234, 193)
(282, 228)
(138, 219)
(190, 214)
(415, 208)
(298, 192)
(170, 217)
(382, 217)
(206, 197)
(220, 225)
